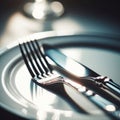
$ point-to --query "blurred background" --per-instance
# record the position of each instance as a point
(19, 18)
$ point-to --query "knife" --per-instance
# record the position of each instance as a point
(83, 75)
(106, 91)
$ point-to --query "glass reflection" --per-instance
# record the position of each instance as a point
(42, 9)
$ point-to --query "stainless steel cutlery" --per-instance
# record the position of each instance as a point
(103, 91)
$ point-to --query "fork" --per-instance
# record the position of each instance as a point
(38, 65)
(43, 74)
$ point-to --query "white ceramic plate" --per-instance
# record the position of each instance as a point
(20, 96)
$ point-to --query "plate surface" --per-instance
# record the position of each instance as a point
(22, 97)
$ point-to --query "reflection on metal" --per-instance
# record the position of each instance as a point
(75, 68)
(110, 108)
(89, 92)
(82, 89)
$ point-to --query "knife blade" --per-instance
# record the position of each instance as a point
(84, 75)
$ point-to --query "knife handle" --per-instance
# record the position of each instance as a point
(99, 86)
(109, 108)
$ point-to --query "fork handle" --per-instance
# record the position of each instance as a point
(97, 99)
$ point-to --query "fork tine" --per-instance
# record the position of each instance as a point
(39, 57)
(26, 61)
(33, 52)
(43, 56)
(35, 60)
(30, 59)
